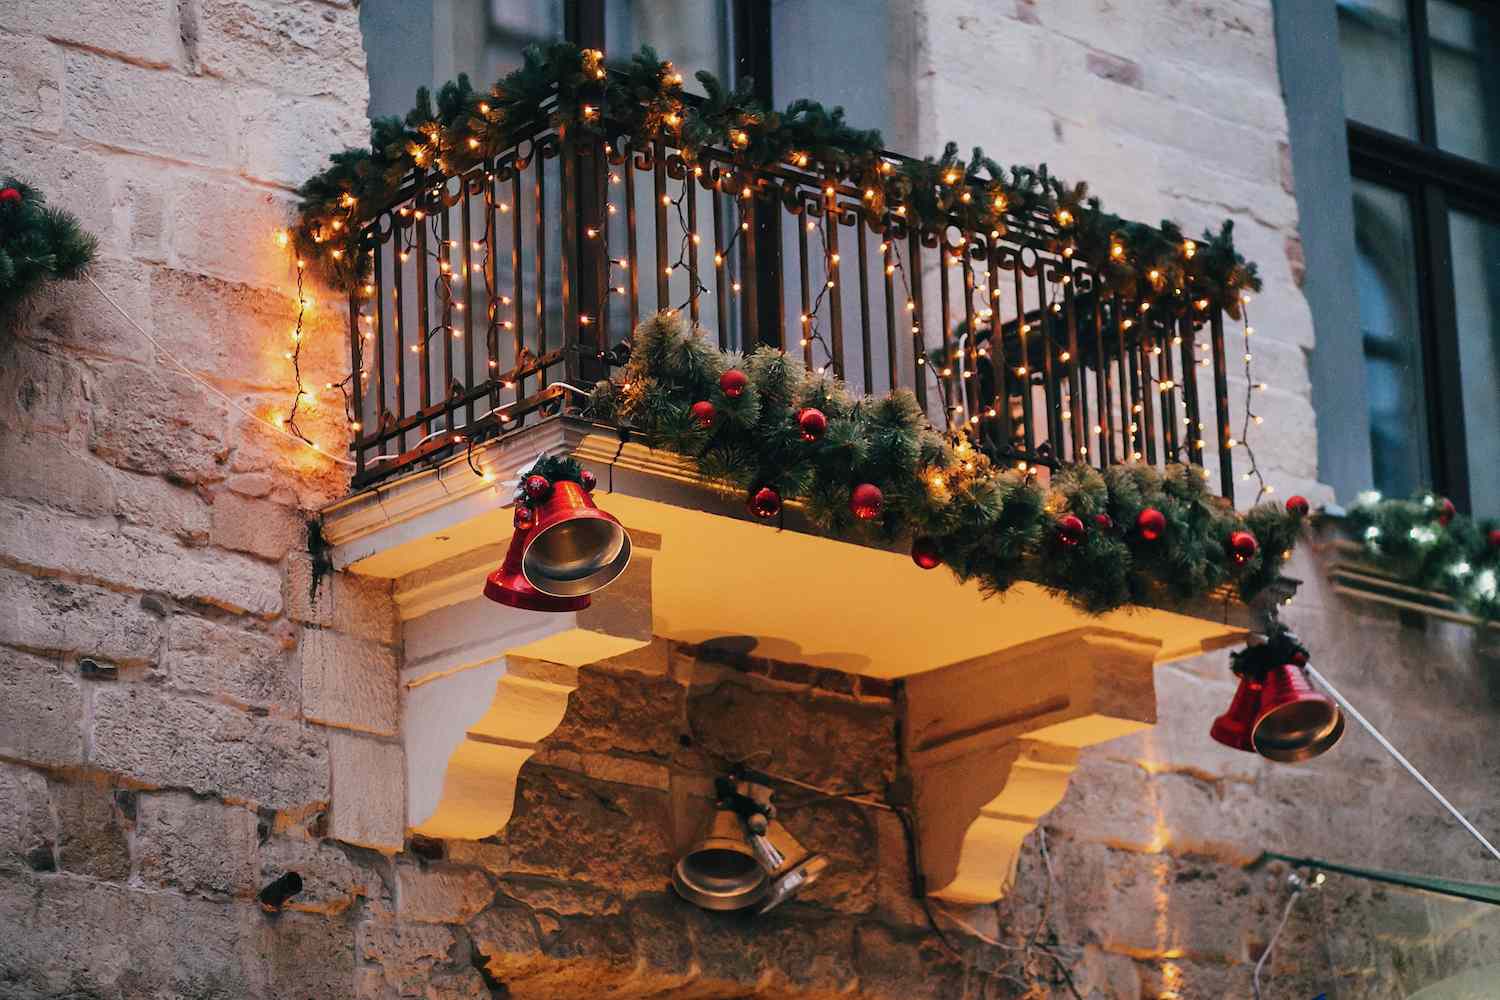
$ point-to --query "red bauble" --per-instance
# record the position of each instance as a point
(924, 552)
(704, 413)
(10, 196)
(525, 517)
(1070, 529)
(537, 487)
(765, 502)
(1151, 524)
(588, 480)
(1494, 538)
(1446, 510)
(1297, 506)
(1299, 658)
(1105, 522)
(1242, 546)
(732, 383)
(812, 422)
(866, 501)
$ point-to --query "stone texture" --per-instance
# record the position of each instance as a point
(440, 894)
(360, 606)
(177, 742)
(179, 433)
(145, 31)
(301, 47)
(120, 105)
(231, 663)
(263, 529)
(56, 616)
(27, 830)
(349, 682)
(626, 712)
(93, 829)
(41, 710)
(369, 792)
(31, 72)
(332, 881)
(196, 845)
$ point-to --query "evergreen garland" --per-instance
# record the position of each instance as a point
(564, 87)
(37, 243)
(1423, 543)
(996, 526)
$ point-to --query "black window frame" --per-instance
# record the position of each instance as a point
(1435, 182)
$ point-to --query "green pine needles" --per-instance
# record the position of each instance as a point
(1423, 543)
(37, 243)
(560, 86)
(996, 526)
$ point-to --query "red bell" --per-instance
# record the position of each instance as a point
(1296, 723)
(508, 586)
(1233, 727)
(574, 548)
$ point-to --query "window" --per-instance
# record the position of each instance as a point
(1422, 98)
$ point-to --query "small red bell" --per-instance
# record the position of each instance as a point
(574, 548)
(508, 586)
(1233, 727)
(1296, 722)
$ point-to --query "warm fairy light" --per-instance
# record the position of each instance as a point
(951, 177)
(1189, 248)
(282, 238)
(1064, 217)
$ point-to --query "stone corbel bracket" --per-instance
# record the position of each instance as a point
(992, 741)
(483, 684)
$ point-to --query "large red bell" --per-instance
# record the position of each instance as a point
(509, 586)
(1295, 722)
(574, 548)
(1233, 727)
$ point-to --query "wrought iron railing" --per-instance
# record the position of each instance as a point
(490, 287)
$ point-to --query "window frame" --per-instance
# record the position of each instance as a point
(1436, 182)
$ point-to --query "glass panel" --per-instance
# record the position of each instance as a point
(1476, 286)
(694, 34)
(1375, 48)
(1464, 79)
(1386, 285)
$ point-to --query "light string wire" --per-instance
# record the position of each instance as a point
(189, 373)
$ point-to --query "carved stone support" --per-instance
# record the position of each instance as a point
(991, 743)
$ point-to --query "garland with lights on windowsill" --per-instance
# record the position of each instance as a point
(767, 429)
(1425, 543)
(563, 86)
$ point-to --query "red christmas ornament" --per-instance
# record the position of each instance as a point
(1105, 522)
(1297, 506)
(1446, 510)
(812, 422)
(924, 552)
(866, 501)
(1494, 538)
(1299, 658)
(1242, 546)
(1070, 529)
(732, 383)
(1151, 524)
(765, 502)
(537, 487)
(525, 517)
(10, 196)
(588, 480)
(704, 413)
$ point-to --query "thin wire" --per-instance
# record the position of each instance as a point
(1410, 769)
(1270, 945)
(182, 368)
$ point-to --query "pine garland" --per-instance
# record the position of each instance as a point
(37, 243)
(564, 87)
(1422, 542)
(996, 526)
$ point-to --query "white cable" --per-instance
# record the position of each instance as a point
(233, 403)
(1271, 944)
(1354, 713)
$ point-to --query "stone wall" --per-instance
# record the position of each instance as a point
(185, 717)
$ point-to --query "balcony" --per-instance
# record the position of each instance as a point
(497, 295)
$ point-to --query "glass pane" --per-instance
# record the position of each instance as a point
(1386, 285)
(1375, 48)
(694, 34)
(1476, 285)
(1464, 79)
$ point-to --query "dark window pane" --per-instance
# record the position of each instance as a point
(1385, 281)
(1476, 286)
(1464, 78)
(694, 34)
(1375, 48)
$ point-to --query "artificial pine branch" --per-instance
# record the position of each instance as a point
(37, 243)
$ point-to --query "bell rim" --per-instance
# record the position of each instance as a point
(585, 585)
(1316, 747)
(722, 901)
